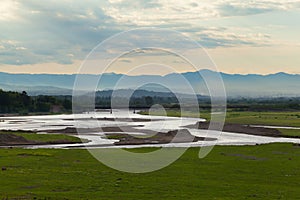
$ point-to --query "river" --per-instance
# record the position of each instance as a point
(153, 123)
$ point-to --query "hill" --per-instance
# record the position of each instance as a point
(251, 85)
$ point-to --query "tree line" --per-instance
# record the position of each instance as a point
(22, 103)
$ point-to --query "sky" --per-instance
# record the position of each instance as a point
(55, 36)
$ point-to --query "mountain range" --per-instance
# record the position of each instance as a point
(236, 85)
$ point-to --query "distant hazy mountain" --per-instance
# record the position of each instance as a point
(280, 84)
(142, 93)
(135, 93)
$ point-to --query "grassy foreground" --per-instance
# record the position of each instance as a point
(246, 172)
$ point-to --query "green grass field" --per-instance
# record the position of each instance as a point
(290, 132)
(246, 172)
(177, 113)
(265, 118)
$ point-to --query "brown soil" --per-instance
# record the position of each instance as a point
(244, 129)
(116, 119)
(73, 130)
(176, 136)
(11, 139)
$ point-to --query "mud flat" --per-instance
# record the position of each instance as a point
(176, 136)
(244, 129)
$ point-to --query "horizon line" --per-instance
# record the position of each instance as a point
(243, 74)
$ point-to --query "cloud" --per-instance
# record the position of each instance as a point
(8, 10)
(236, 10)
(34, 32)
(160, 12)
(49, 32)
(230, 38)
(21, 48)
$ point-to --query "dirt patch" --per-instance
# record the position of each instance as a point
(115, 119)
(176, 136)
(73, 130)
(16, 122)
(11, 139)
(244, 129)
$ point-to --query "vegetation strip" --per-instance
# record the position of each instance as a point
(31, 138)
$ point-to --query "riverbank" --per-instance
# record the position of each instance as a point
(29, 138)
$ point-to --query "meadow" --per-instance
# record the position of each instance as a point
(228, 172)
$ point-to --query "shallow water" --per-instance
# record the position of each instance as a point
(159, 123)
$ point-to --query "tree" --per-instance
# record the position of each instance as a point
(149, 101)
